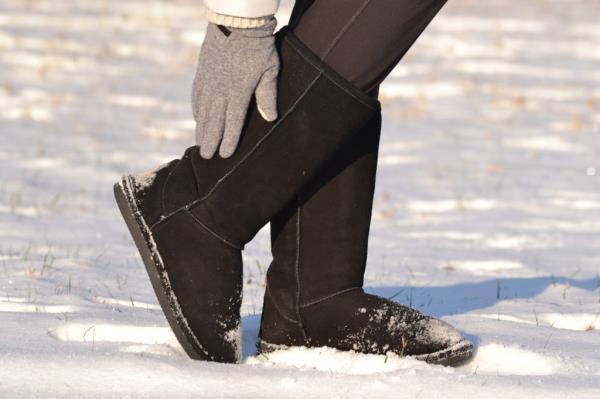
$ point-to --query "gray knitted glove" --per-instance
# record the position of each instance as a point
(234, 64)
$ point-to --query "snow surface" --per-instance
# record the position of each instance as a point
(487, 209)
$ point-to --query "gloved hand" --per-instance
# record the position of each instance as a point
(234, 64)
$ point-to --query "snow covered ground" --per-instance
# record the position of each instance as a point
(487, 211)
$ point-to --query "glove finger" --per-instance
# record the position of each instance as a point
(198, 133)
(196, 97)
(214, 129)
(197, 88)
(266, 94)
(201, 116)
(236, 115)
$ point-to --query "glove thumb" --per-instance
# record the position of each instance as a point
(266, 94)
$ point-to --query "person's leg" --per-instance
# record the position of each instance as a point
(319, 241)
(363, 39)
(300, 7)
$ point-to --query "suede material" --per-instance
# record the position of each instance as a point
(282, 330)
(206, 277)
(180, 186)
(149, 188)
(340, 196)
(205, 274)
(282, 281)
(370, 324)
(200, 276)
(336, 217)
(166, 189)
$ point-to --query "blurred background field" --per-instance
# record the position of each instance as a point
(487, 209)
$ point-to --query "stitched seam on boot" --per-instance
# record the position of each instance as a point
(297, 265)
(278, 309)
(164, 187)
(186, 209)
(165, 217)
(311, 303)
(213, 233)
(196, 177)
(263, 139)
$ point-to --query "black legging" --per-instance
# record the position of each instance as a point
(362, 40)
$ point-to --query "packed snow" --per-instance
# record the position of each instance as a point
(487, 210)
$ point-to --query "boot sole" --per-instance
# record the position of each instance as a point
(144, 241)
(453, 356)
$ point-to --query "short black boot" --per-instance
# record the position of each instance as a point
(197, 278)
(191, 218)
(314, 293)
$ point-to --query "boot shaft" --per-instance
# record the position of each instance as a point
(320, 239)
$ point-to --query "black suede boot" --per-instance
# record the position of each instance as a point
(314, 293)
(197, 278)
(191, 218)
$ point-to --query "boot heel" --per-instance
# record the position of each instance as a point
(278, 331)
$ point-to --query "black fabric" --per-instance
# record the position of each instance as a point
(206, 277)
(224, 29)
(362, 40)
(203, 275)
(149, 196)
(300, 7)
(180, 185)
(319, 244)
(277, 328)
(370, 324)
(324, 233)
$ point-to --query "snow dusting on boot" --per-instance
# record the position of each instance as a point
(234, 337)
(145, 179)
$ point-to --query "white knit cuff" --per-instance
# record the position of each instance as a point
(243, 8)
(236, 22)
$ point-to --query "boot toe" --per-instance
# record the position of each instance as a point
(439, 333)
(443, 344)
(370, 324)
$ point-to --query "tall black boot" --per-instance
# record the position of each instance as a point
(191, 218)
(314, 293)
